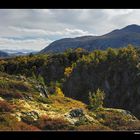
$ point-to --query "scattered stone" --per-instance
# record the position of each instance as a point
(20, 77)
(32, 114)
(43, 90)
(1, 99)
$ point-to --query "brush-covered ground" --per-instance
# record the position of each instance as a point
(25, 105)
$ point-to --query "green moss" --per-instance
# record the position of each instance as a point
(45, 100)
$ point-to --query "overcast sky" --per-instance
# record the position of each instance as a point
(36, 28)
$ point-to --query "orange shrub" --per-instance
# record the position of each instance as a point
(5, 106)
(24, 126)
(92, 127)
(47, 123)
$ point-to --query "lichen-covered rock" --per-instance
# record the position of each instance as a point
(117, 119)
(76, 112)
(78, 115)
(122, 112)
(31, 114)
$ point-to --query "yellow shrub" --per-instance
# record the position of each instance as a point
(58, 92)
(68, 71)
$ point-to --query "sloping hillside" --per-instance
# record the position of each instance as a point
(24, 106)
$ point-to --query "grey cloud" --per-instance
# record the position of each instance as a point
(51, 24)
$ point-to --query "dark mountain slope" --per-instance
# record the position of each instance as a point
(115, 39)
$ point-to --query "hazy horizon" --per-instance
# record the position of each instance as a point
(34, 29)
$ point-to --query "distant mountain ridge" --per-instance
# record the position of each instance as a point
(13, 53)
(3, 54)
(115, 39)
